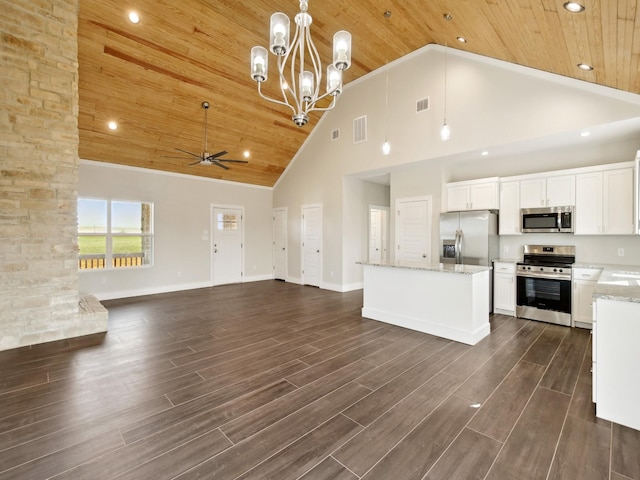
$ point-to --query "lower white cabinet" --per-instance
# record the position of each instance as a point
(504, 288)
(584, 282)
(616, 361)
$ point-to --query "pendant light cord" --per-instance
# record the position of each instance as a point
(445, 82)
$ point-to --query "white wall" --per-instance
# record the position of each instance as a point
(490, 104)
(182, 206)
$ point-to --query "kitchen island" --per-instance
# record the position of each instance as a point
(616, 336)
(446, 300)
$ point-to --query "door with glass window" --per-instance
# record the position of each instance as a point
(227, 245)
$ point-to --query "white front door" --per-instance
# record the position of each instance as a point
(311, 245)
(280, 243)
(413, 231)
(227, 256)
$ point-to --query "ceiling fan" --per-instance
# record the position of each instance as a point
(206, 158)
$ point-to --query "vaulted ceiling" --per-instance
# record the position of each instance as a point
(152, 77)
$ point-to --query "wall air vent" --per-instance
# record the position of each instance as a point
(335, 134)
(422, 105)
(360, 129)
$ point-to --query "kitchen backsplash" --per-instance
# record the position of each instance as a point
(589, 248)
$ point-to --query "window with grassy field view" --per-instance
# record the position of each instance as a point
(114, 234)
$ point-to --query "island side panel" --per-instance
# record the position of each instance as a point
(449, 305)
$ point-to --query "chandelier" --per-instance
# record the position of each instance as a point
(300, 86)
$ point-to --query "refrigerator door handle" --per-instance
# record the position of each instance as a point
(458, 246)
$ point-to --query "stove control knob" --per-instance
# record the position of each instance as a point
(560, 270)
(555, 270)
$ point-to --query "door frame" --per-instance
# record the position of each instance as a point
(286, 242)
(302, 208)
(212, 232)
(396, 246)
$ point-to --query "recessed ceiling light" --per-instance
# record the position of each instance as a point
(387, 14)
(484, 153)
(585, 67)
(573, 7)
(246, 154)
(585, 134)
(112, 125)
(134, 17)
(447, 17)
(461, 39)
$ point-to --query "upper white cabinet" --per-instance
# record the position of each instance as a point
(509, 223)
(473, 195)
(552, 191)
(604, 202)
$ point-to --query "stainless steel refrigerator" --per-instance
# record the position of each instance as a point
(470, 238)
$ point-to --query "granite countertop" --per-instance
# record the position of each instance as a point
(436, 267)
(619, 282)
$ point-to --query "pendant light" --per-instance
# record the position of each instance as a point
(445, 131)
(386, 146)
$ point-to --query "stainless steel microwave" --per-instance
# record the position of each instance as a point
(547, 220)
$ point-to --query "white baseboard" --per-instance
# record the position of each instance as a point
(296, 280)
(149, 291)
(258, 278)
(337, 287)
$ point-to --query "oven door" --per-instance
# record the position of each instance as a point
(546, 299)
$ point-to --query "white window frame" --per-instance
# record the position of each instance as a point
(109, 234)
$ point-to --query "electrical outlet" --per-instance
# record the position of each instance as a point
(506, 249)
(621, 252)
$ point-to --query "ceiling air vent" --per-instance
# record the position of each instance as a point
(422, 105)
(360, 129)
(335, 134)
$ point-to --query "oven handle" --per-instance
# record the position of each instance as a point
(559, 276)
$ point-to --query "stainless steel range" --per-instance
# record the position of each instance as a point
(544, 283)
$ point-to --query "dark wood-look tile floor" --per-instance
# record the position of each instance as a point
(271, 380)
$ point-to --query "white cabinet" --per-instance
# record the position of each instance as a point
(616, 361)
(584, 283)
(473, 195)
(552, 191)
(509, 221)
(504, 288)
(604, 202)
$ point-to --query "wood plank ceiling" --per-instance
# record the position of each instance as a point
(152, 77)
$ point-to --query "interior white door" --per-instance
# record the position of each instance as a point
(311, 245)
(227, 253)
(413, 231)
(280, 243)
(375, 235)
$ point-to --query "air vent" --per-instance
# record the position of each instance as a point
(422, 105)
(335, 134)
(360, 129)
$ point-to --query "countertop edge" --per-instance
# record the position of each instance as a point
(438, 267)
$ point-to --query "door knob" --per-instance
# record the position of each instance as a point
(282, 248)
(215, 251)
(317, 251)
(424, 255)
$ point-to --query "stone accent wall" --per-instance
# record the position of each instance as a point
(39, 298)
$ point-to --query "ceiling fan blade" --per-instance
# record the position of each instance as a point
(194, 163)
(233, 161)
(217, 163)
(169, 156)
(213, 156)
(189, 153)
